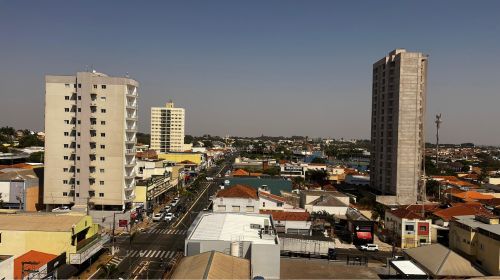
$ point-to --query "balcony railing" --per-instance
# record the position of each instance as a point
(130, 163)
(88, 249)
(130, 151)
(132, 116)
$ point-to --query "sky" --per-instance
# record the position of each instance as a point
(249, 68)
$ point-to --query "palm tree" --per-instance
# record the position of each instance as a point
(108, 269)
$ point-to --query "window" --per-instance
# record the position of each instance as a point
(250, 209)
(78, 170)
(102, 158)
(74, 85)
(65, 169)
(103, 98)
(79, 85)
(101, 194)
(66, 121)
(263, 204)
(66, 85)
(65, 157)
(66, 97)
(79, 98)
(95, 86)
(66, 109)
(77, 194)
(65, 182)
(103, 122)
(409, 227)
(101, 170)
(103, 146)
(236, 208)
(79, 109)
(279, 204)
(77, 158)
(66, 146)
(103, 110)
(101, 183)
(103, 134)
(221, 208)
(65, 194)
(79, 121)
(103, 86)
(423, 228)
(78, 133)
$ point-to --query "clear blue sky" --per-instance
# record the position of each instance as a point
(258, 67)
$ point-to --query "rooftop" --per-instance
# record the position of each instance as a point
(328, 200)
(287, 216)
(212, 265)
(461, 210)
(470, 220)
(39, 222)
(227, 226)
(239, 191)
(39, 258)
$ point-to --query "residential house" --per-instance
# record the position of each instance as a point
(444, 216)
(298, 223)
(409, 228)
(238, 198)
(477, 237)
(471, 196)
(335, 203)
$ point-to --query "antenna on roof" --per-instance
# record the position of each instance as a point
(127, 75)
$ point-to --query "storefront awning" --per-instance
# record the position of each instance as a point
(363, 235)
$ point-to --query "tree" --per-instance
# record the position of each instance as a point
(108, 269)
(318, 176)
(272, 171)
(188, 139)
(30, 140)
(432, 188)
(36, 157)
(143, 138)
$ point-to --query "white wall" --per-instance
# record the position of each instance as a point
(334, 210)
(7, 268)
(229, 202)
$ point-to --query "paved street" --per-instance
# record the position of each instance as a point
(153, 248)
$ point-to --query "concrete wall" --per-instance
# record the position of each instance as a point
(488, 254)
(7, 267)
(462, 240)
(265, 260)
(229, 202)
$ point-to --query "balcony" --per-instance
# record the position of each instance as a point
(131, 128)
(130, 175)
(129, 187)
(131, 117)
(132, 105)
(88, 248)
(130, 151)
(130, 141)
(130, 163)
(130, 198)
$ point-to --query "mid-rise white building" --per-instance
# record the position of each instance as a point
(167, 128)
(90, 137)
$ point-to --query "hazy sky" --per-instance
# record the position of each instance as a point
(258, 67)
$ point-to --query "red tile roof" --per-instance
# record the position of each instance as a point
(240, 172)
(287, 216)
(461, 210)
(404, 213)
(472, 195)
(272, 196)
(31, 256)
(188, 162)
(239, 191)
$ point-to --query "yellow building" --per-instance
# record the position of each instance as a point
(72, 233)
(477, 238)
(178, 157)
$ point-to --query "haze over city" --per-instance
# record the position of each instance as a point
(259, 67)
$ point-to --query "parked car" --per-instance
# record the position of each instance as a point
(168, 208)
(61, 209)
(174, 203)
(369, 247)
(209, 178)
(169, 217)
(157, 217)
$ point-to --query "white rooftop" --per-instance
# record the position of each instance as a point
(232, 227)
(408, 268)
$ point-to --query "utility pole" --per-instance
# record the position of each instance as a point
(438, 125)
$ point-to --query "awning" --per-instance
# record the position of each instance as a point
(363, 235)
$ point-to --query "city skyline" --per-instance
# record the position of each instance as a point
(294, 69)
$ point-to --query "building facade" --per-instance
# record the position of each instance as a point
(90, 126)
(398, 119)
(167, 128)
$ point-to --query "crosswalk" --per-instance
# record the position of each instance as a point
(166, 231)
(151, 254)
(116, 260)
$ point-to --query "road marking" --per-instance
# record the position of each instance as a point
(163, 253)
(170, 254)
(149, 253)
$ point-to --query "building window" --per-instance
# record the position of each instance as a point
(74, 85)
(103, 134)
(95, 86)
(279, 204)
(66, 146)
(65, 182)
(77, 194)
(66, 109)
(103, 98)
(263, 204)
(101, 170)
(423, 228)
(66, 97)
(103, 146)
(409, 227)
(65, 169)
(66, 85)
(79, 85)
(79, 98)
(65, 194)
(103, 122)
(103, 86)
(79, 109)
(78, 158)
(103, 110)
(65, 157)
(236, 208)
(102, 158)
(101, 194)
(250, 209)
(101, 183)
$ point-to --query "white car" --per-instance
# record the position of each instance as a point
(61, 209)
(370, 247)
(157, 217)
(174, 202)
(168, 208)
(169, 217)
(209, 178)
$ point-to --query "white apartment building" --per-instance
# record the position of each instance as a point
(90, 126)
(167, 128)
